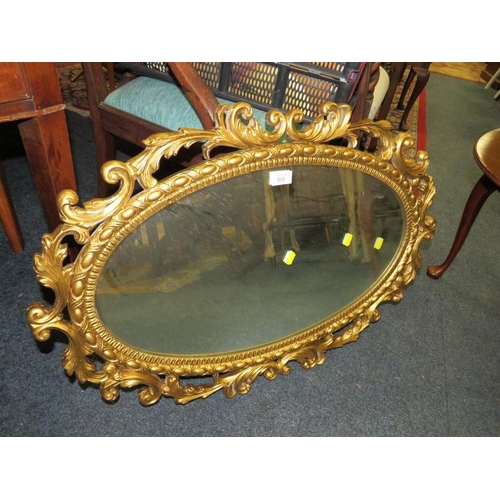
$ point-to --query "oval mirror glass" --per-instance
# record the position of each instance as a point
(250, 260)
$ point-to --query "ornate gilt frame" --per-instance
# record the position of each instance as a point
(101, 223)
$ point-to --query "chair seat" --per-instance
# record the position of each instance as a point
(162, 103)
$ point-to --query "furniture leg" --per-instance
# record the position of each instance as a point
(492, 79)
(422, 75)
(111, 75)
(480, 193)
(395, 78)
(406, 87)
(46, 141)
(8, 216)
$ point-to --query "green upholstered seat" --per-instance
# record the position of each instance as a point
(162, 103)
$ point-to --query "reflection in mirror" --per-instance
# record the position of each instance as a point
(243, 263)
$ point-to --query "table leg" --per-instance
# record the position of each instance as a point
(46, 142)
(480, 193)
(8, 216)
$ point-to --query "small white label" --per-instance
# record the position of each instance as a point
(280, 177)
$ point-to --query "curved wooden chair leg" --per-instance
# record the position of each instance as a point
(406, 87)
(479, 194)
(422, 75)
(395, 78)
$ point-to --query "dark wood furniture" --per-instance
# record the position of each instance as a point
(487, 156)
(30, 94)
(418, 70)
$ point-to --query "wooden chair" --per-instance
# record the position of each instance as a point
(109, 122)
(118, 114)
(487, 156)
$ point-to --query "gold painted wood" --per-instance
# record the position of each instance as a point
(99, 225)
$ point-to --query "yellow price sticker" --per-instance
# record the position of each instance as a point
(378, 243)
(289, 257)
(347, 239)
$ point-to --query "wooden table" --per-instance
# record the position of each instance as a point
(30, 93)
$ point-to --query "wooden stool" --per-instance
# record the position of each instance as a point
(487, 156)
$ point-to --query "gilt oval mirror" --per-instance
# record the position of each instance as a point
(277, 251)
